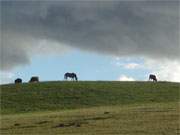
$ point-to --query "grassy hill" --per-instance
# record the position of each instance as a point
(70, 95)
(132, 108)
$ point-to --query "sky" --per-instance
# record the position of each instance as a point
(98, 40)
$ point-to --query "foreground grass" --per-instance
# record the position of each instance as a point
(47, 96)
(136, 119)
(90, 108)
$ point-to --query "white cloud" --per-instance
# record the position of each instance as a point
(126, 63)
(132, 65)
(6, 77)
(125, 78)
(164, 69)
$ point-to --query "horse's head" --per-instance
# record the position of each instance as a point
(75, 76)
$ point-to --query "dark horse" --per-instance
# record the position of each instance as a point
(34, 79)
(152, 77)
(18, 80)
(70, 75)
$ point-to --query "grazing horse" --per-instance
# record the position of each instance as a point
(34, 79)
(18, 80)
(152, 77)
(70, 75)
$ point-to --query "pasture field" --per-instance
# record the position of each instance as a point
(91, 108)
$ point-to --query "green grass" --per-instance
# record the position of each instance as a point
(139, 119)
(73, 95)
(89, 108)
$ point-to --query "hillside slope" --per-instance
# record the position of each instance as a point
(47, 96)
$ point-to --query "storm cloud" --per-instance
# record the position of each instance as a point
(118, 28)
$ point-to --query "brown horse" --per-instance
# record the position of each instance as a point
(34, 79)
(70, 75)
(152, 77)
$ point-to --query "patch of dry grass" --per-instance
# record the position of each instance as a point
(137, 119)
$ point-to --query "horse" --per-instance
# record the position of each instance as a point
(34, 79)
(152, 77)
(18, 80)
(73, 76)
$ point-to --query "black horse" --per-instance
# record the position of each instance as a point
(18, 80)
(73, 76)
(152, 77)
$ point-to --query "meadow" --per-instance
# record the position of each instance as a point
(80, 108)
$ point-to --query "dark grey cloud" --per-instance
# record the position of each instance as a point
(118, 28)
